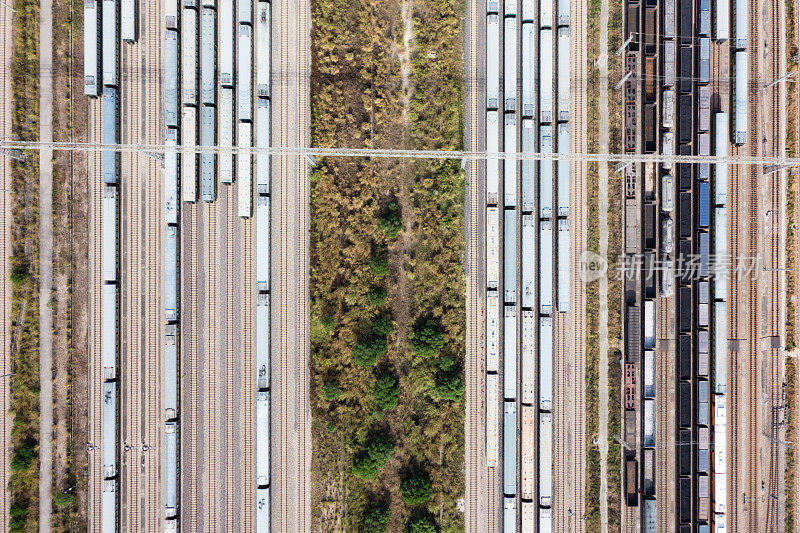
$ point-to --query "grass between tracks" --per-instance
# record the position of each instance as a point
(387, 277)
(23, 484)
(614, 290)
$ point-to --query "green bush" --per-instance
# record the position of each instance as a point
(421, 524)
(450, 386)
(376, 519)
(331, 427)
(382, 326)
(331, 390)
(416, 488)
(379, 266)
(19, 274)
(23, 456)
(63, 499)
(377, 296)
(376, 454)
(386, 392)
(366, 352)
(17, 523)
(328, 322)
(16, 510)
(390, 222)
(447, 363)
(427, 340)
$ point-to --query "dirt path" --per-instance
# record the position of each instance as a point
(46, 263)
(602, 63)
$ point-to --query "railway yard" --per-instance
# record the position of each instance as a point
(199, 374)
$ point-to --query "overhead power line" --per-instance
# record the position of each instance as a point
(391, 153)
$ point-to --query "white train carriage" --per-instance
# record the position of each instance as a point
(110, 58)
(171, 14)
(171, 273)
(510, 64)
(109, 506)
(171, 451)
(721, 264)
(509, 448)
(262, 243)
(171, 104)
(510, 352)
(91, 63)
(546, 75)
(509, 514)
(262, 439)
(189, 56)
(171, 372)
(492, 247)
(740, 99)
(563, 170)
(262, 341)
(528, 452)
(528, 262)
(721, 150)
(492, 419)
(244, 12)
(262, 510)
(225, 119)
(128, 24)
(545, 13)
(263, 50)
(510, 163)
(189, 156)
(564, 73)
(545, 267)
(511, 8)
(563, 13)
(492, 61)
(741, 24)
(110, 233)
(528, 166)
(510, 256)
(528, 10)
(262, 141)
(545, 459)
(722, 22)
(208, 56)
(529, 357)
(109, 331)
(226, 43)
(530, 513)
(545, 520)
(564, 270)
(110, 135)
(492, 164)
(244, 74)
(208, 159)
(492, 331)
(244, 171)
(171, 176)
(546, 172)
(109, 429)
(546, 363)
(528, 69)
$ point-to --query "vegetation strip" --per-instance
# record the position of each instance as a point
(387, 278)
(23, 484)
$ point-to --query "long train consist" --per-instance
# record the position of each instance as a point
(527, 203)
(204, 99)
(672, 70)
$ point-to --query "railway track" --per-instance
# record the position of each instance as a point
(283, 293)
(753, 334)
(732, 396)
(190, 418)
(5, 253)
(95, 348)
(563, 499)
(663, 429)
(776, 302)
(247, 383)
(154, 232)
(474, 355)
(579, 234)
(132, 369)
(211, 478)
(231, 360)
